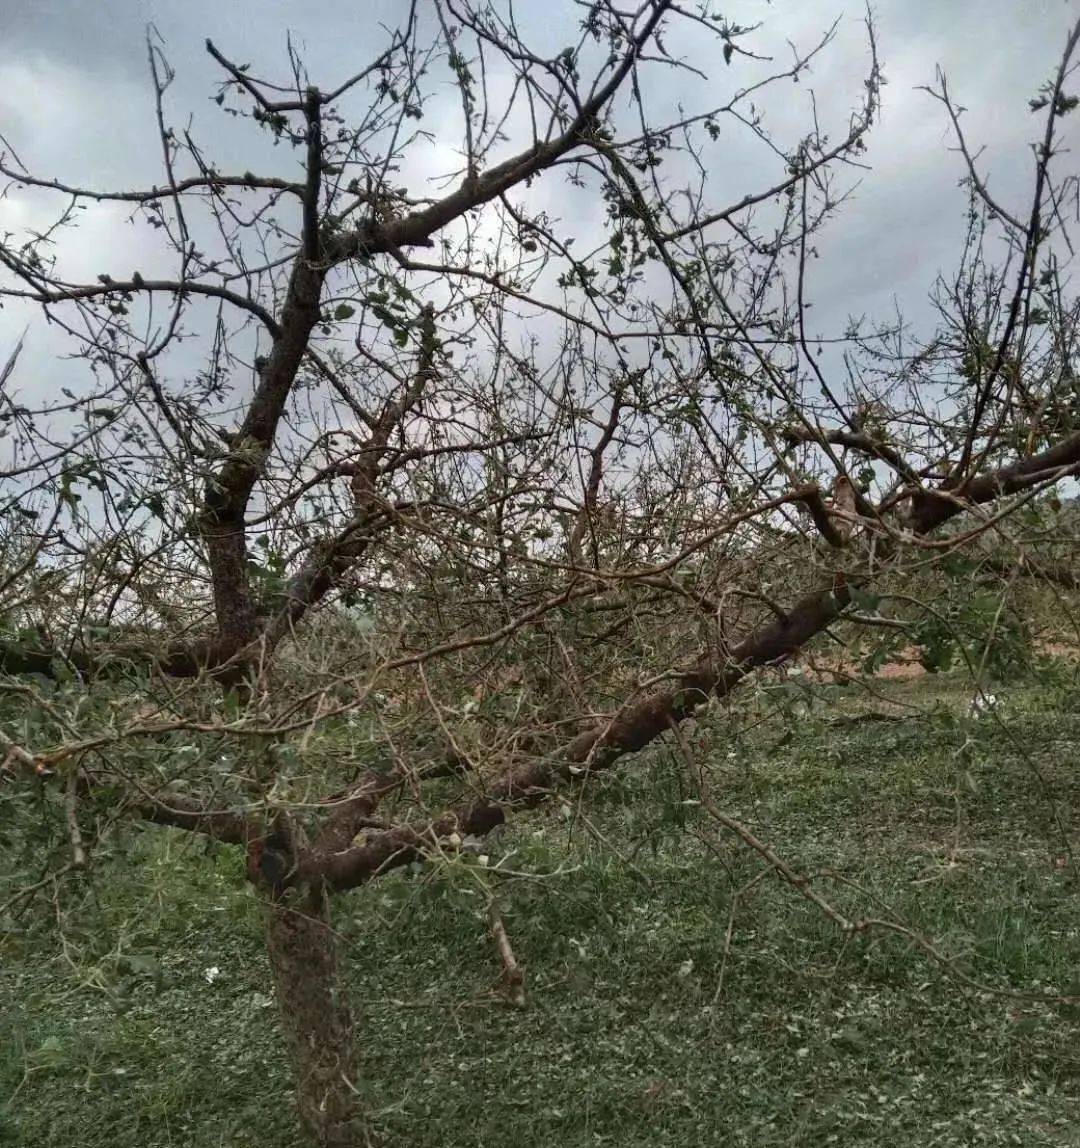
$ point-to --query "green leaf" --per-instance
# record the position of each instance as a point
(344, 311)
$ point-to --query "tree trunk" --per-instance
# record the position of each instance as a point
(316, 1019)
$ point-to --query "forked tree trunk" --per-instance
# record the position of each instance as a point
(316, 1020)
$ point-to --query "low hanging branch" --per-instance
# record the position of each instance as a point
(336, 860)
(513, 973)
(641, 720)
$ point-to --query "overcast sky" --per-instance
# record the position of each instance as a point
(75, 103)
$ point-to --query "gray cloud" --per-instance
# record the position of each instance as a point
(75, 102)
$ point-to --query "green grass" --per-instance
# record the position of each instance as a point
(959, 826)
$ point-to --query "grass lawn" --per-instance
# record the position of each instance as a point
(662, 1009)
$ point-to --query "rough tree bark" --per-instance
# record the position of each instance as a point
(315, 1018)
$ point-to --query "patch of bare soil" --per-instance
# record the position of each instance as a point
(1059, 649)
(837, 669)
(906, 665)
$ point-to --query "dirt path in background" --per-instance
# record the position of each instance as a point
(906, 666)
